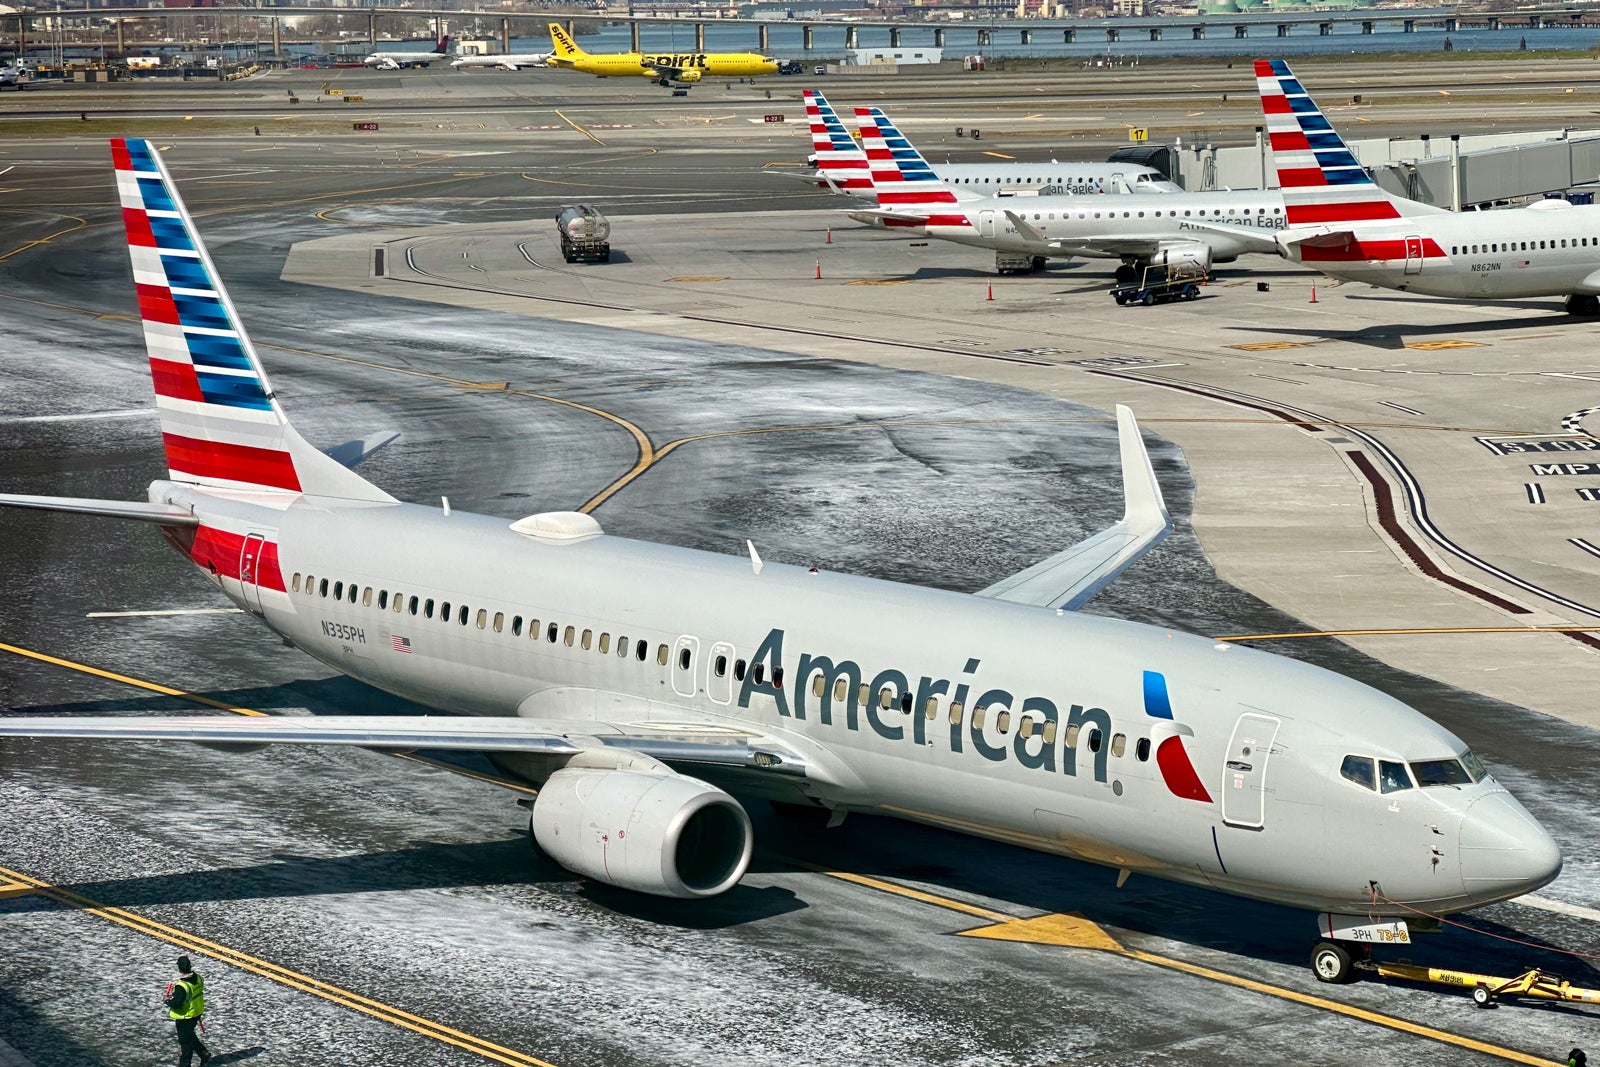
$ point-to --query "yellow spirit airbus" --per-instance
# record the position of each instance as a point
(670, 69)
(640, 686)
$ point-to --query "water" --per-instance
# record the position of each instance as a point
(784, 41)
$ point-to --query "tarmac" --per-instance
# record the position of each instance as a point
(368, 909)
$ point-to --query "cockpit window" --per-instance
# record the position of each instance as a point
(1474, 766)
(1358, 769)
(1393, 776)
(1440, 772)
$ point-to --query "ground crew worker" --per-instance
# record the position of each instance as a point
(186, 1003)
(1576, 1058)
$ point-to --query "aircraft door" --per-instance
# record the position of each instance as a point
(1413, 255)
(684, 654)
(249, 566)
(1244, 774)
(986, 223)
(719, 673)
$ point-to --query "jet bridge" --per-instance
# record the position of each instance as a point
(1449, 172)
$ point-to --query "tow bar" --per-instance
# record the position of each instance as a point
(1487, 989)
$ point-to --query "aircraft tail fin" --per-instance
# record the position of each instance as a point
(902, 178)
(564, 46)
(840, 161)
(1321, 178)
(442, 45)
(220, 422)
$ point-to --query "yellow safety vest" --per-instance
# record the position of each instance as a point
(194, 1003)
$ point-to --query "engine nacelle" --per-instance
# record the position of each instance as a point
(688, 77)
(1195, 254)
(660, 833)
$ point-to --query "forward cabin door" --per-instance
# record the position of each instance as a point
(719, 673)
(1244, 775)
(684, 655)
(1413, 255)
(249, 567)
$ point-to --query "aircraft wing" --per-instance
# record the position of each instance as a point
(1069, 579)
(686, 743)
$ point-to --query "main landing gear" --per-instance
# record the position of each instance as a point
(1583, 305)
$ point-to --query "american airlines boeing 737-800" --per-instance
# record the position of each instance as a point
(640, 685)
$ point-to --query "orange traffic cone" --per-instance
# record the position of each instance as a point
(819, 269)
(829, 241)
(991, 290)
(1313, 292)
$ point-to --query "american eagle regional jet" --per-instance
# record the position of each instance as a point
(401, 60)
(637, 683)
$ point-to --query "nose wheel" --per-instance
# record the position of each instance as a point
(1333, 963)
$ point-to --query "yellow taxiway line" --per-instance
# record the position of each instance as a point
(1414, 631)
(276, 973)
(562, 116)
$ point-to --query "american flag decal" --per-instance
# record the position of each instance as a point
(400, 644)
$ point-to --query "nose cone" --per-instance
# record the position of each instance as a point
(1504, 850)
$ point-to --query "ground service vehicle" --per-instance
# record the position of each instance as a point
(1159, 284)
(585, 234)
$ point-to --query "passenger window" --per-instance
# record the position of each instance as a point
(516, 626)
(683, 659)
(427, 608)
(864, 695)
(816, 685)
(338, 590)
(351, 593)
(661, 658)
(413, 605)
(1002, 721)
(906, 702)
(605, 643)
(383, 599)
(1049, 733)
(294, 584)
(1094, 739)
(1440, 772)
(444, 611)
(552, 633)
(461, 616)
(399, 603)
(641, 649)
(930, 708)
(533, 629)
(568, 637)
(1025, 727)
(885, 697)
(738, 670)
(322, 590)
(366, 597)
(1141, 749)
(1358, 769)
(588, 639)
(499, 622)
(758, 671)
(977, 718)
(777, 677)
(841, 689)
(1072, 735)
(483, 619)
(1393, 776)
(719, 667)
(955, 712)
(1119, 744)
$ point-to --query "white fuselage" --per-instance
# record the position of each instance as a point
(508, 61)
(1549, 249)
(1091, 226)
(555, 630)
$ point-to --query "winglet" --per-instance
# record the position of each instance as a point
(1070, 578)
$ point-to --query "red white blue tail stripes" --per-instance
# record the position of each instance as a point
(219, 421)
(1322, 180)
(837, 154)
(903, 179)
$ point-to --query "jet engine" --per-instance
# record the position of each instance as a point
(653, 830)
(1184, 254)
(687, 77)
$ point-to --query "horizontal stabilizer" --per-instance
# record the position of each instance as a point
(410, 732)
(165, 514)
(354, 452)
(1069, 579)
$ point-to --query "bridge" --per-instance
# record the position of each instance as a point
(1027, 31)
